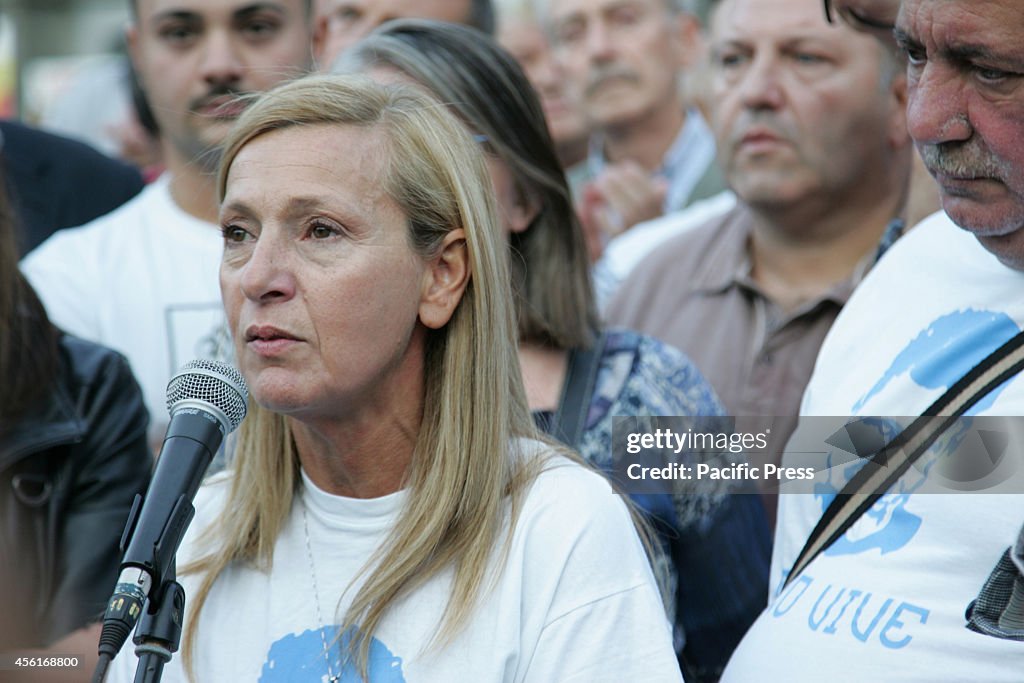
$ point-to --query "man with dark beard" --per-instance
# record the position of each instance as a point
(143, 279)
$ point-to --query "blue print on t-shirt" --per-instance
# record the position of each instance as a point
(886, 526)
(946, 350)
(935, 359)
(300, 659)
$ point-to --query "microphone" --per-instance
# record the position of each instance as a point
(206, 401)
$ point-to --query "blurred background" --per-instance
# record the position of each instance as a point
(63, 67)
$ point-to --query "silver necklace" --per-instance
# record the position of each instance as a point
(331, 676)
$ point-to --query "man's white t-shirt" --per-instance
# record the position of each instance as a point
(142, 280)
(886, 602)
(576, 600)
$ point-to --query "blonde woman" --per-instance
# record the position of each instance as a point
(716, 547)
(391, 514)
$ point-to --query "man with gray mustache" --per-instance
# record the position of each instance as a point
(968, 162)
(963, 134)
(936, 592)
(650, 154)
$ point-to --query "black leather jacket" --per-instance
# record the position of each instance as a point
(68, 474)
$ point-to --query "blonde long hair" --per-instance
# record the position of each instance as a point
(464, 478)
(489, 92)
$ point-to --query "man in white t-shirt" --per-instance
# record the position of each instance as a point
(650, 153)
(143, 279)
(887, 601)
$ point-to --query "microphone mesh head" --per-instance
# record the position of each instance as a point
(216, 384)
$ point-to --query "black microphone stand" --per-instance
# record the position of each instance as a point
(159, 610)
(158, 634)
(206, 401)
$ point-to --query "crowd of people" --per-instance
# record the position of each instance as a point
(449, 246)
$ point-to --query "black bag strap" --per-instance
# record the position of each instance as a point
(896, 457)
(581, 375)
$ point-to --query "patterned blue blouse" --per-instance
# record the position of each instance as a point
(717, 546)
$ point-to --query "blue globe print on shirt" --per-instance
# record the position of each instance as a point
(299, 658)
(935, 359)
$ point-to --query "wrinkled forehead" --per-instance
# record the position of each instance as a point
(732, 19)
(339, 163)
(560, 10)
(964, 26)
